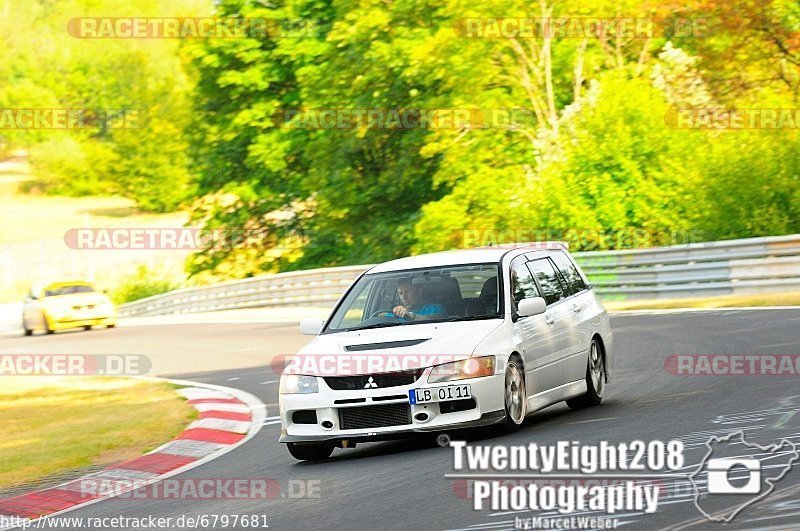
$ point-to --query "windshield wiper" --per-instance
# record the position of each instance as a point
(376, 325)
(472, 318)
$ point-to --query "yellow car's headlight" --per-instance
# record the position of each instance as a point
(298, 384)
(463, 369)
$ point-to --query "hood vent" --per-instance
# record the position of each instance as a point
(388, 344)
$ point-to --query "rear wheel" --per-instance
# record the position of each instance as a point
(87, 327)
(595, 379)
(310, 452)
(514, 396)
(28, 331)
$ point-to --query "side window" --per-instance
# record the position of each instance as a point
(552, 290)
(357, 311)
(570, 273)
(522, 284)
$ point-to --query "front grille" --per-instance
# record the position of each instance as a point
(378, 381)
(353, 418)
(451, 406)
(304, 416)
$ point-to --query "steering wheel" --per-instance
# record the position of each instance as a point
(382, 313)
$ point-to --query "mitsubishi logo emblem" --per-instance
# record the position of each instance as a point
(370, 384)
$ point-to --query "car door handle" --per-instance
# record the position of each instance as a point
(576, 307)
(549, 319)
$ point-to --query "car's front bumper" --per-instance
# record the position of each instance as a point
(487, 419)
(487, 393)
(78, 322)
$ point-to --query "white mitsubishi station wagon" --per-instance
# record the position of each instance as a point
(443, 341)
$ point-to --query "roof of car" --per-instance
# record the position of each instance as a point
(476, 255)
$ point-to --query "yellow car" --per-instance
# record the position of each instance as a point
(63, 305)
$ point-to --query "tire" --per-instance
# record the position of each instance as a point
(47, 329)
(28, 331)
(87, 327)
(514, 396)
(111, 325)
(595, 379)
(310, 452)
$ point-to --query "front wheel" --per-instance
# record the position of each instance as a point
(310, 452)
(47, 329)
(595, 379)
(515, 398)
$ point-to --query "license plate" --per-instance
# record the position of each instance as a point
(439, 394)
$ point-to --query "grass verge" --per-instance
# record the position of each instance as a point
(791, 298)
(53, 424)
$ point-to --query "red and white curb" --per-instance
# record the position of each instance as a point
(228, 418)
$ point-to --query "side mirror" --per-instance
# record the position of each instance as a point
(32, 296)
(311, 327)
(532, 306)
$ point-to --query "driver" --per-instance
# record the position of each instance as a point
(413, 305)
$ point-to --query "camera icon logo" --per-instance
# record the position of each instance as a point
(730, 478)
(719, 476)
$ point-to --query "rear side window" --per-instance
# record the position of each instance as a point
(545, 273)
(569, 272)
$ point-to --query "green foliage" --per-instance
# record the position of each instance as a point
(586, 145)
(590, 148)
(145, 282)
(143, 77)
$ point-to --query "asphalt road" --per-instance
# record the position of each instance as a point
(402, 484)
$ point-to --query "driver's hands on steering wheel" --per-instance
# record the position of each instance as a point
(403, 312)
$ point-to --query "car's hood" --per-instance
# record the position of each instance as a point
(412, 346)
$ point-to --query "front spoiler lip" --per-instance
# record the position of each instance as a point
(487, 419)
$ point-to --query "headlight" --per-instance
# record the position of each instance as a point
(460, 370)
(294, 384)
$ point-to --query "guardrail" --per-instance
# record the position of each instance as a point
(753, 265)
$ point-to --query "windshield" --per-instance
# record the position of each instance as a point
(436, 294)
(68, 290)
